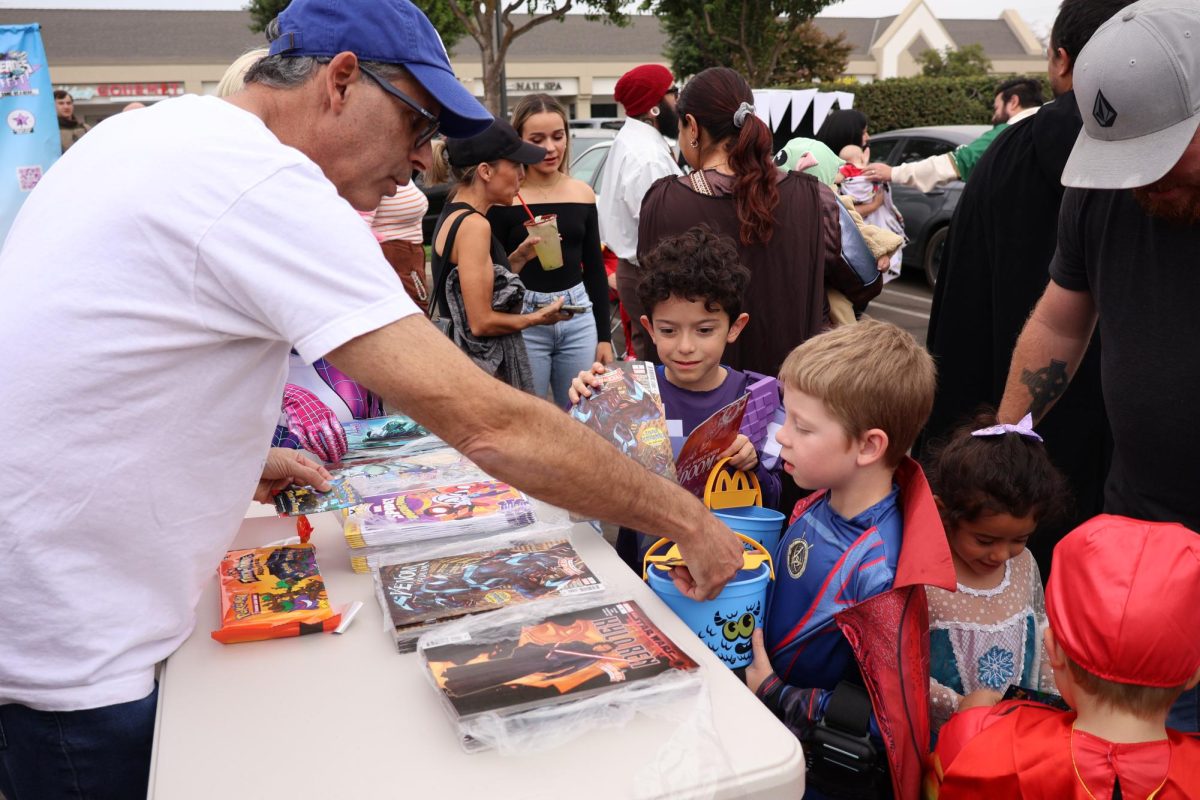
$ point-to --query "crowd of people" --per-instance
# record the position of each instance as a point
(989, 580)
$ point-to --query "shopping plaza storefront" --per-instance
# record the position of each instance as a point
(108, 59)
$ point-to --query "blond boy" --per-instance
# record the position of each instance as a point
(844, 659)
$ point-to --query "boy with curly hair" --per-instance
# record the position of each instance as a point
(692, 289)
(843, 656)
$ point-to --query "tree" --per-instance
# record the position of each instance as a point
(439, 13)
(967, 61)
(769, 41)
(479, 19)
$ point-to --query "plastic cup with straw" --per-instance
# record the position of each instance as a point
(545, 227)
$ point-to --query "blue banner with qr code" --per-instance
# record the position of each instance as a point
(30, 124)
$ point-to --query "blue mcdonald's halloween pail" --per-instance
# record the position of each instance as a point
(726, 622)
(763, 525)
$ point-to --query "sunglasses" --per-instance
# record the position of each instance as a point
(432, 123)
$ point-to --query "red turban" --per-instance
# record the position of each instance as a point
(640, 89)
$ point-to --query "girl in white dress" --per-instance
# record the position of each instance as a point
(994, 485)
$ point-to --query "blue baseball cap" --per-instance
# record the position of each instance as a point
(389, 31)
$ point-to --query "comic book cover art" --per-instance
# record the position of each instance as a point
(475, 507)
(627, 410)
(423, 592)
(382, 431)
(564, 656)
(705, 444)
(298, 500)
(272, 592)
(380, 476)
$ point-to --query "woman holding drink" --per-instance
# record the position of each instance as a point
(475, 285)
(574, 270)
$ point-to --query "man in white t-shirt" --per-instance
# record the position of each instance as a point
(146, 344)
(639, 156)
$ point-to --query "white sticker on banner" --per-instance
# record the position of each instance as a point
(801, 100)
(822, 104)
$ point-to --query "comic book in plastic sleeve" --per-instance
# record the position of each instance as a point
(704, 445)
(386, 473)
(390, 431)
(417, 594)
(485, 506)
(627, 410)
(272, 593)
(520, 674)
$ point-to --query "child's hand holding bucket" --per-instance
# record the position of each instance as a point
(760, 668)
(741, 454)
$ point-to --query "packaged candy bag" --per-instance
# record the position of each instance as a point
(272, 593)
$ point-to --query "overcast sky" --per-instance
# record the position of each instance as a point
(1038, 13)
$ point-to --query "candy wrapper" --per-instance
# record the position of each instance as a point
(272, 593)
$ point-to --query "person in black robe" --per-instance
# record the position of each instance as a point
(1002, 238)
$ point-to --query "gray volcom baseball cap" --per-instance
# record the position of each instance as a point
(1137, 82)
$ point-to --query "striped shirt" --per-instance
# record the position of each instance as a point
(399, 216)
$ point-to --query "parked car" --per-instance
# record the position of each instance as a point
(608, 123)
(588, 165)
(926, 214)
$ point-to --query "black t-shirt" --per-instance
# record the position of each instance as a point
(1144, 274)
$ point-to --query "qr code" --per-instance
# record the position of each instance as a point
(28, 177)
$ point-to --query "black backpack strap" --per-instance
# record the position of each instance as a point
(439, 291)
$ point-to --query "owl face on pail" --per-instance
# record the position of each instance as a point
(730, 632)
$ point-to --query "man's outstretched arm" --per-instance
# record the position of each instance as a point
(534, 446)
(1048, 353)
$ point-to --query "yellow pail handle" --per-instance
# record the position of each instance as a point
(731, 488)
(672, 558)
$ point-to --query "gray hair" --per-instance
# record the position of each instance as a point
(284, 72)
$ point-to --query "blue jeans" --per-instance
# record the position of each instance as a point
(1185, 714)
(97, 753)
(559, 352)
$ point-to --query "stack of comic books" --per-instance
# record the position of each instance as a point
(385, 473)
(474, 507)
(417, 595)
(627, 410)
(520, 675)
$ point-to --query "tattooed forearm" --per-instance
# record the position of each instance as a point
(1045, 386)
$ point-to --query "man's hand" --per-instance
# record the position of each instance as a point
(877, 171)
(583, 383)
(286, 467)
(712, 558)
(741, 454)
(759, 669)
(980, 697)
(313, 423)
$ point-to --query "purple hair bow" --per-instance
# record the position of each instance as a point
(1024, 428)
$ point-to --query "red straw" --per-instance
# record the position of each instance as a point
(532, 218)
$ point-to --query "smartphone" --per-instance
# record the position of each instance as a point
(574, 309)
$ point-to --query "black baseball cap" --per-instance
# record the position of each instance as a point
(497, 142)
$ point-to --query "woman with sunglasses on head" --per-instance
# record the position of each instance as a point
(558, 352)
(786, 225)
(476, 287)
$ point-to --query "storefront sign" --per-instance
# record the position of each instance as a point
(123, 92)
(555, 86)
